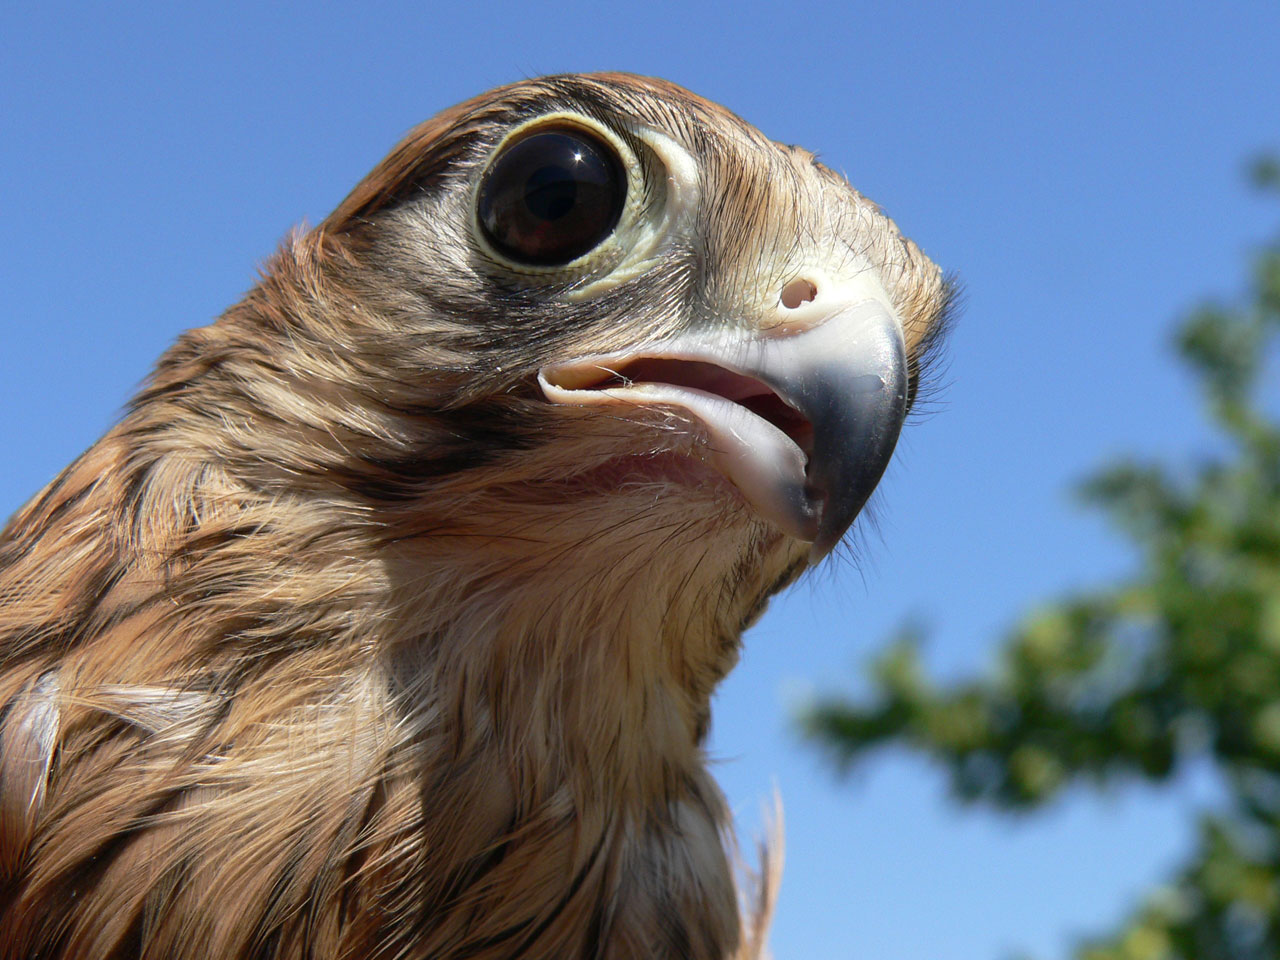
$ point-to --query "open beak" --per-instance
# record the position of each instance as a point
(802, 422)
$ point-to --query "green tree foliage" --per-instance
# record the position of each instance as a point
(1180, 662)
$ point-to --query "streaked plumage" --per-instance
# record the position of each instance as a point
(354, 638)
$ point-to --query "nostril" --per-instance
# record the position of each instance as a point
(798, 291)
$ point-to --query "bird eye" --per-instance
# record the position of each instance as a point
(552, 196)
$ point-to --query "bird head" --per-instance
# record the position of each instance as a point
(583, 329)
(625, 306)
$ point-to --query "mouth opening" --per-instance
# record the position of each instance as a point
(748, 392)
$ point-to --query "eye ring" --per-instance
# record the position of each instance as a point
(551, 195)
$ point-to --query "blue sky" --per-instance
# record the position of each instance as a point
(1079, 166)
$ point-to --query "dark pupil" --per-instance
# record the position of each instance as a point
(550, 192)
(551, 197)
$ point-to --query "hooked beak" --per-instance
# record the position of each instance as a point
(803, 421)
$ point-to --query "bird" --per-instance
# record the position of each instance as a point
(385, 621)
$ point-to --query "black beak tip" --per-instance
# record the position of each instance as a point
(837, 516)
(846, 471)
